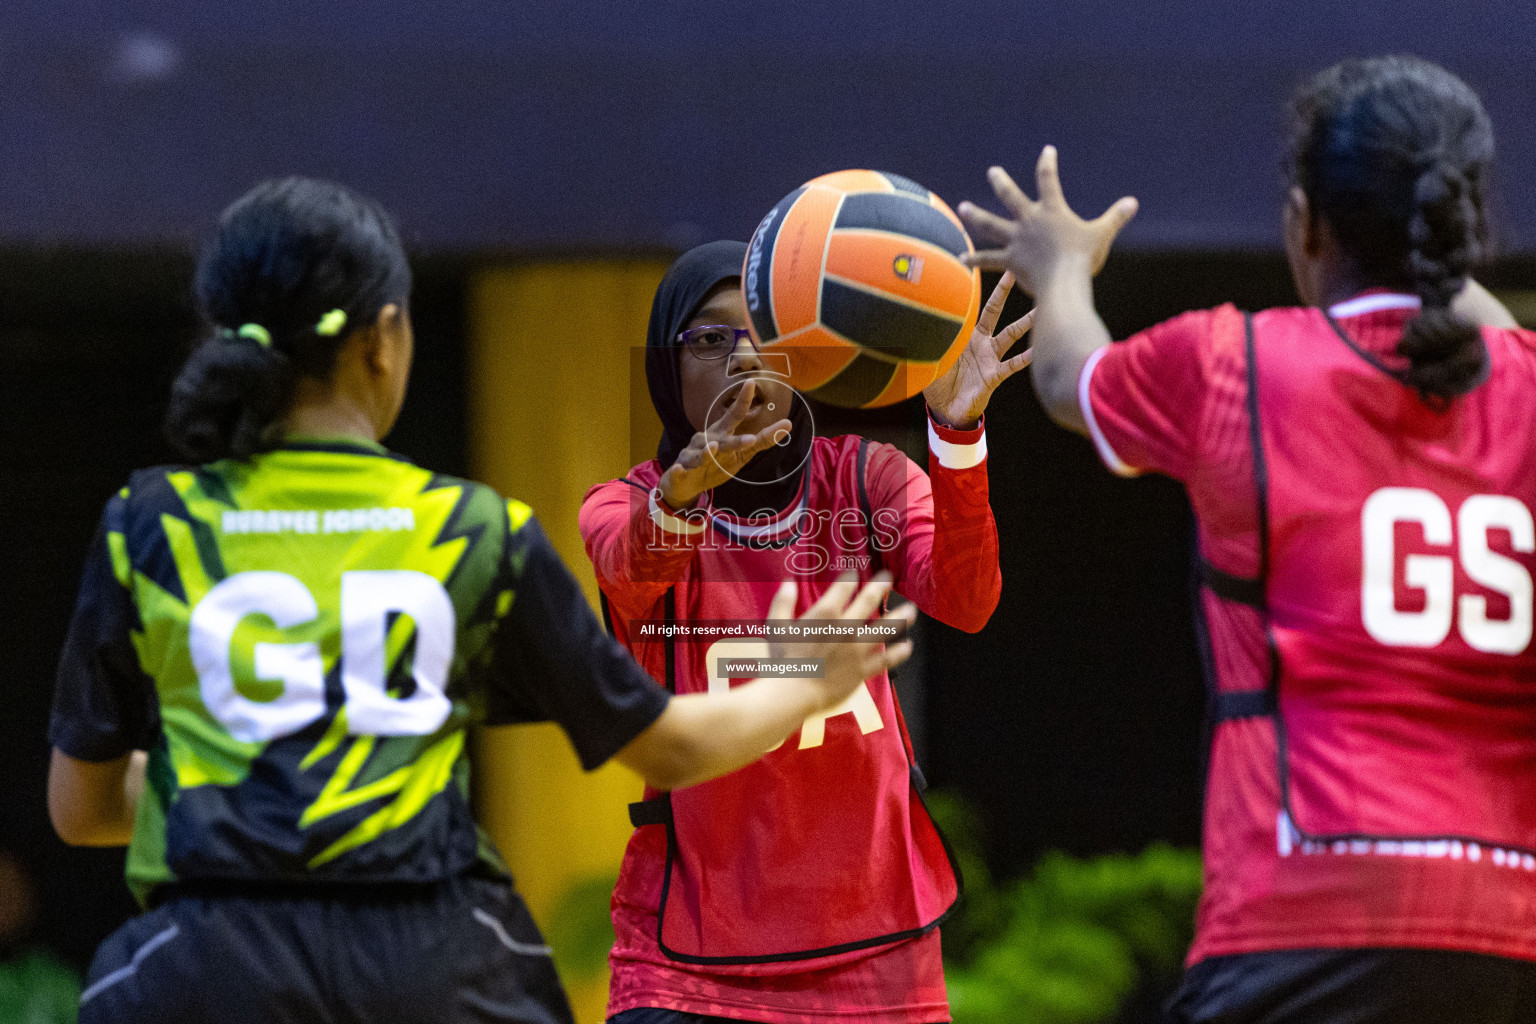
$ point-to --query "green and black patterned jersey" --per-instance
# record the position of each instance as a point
(300, 641)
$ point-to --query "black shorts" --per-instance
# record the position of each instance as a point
(457, 952)
(1357, 986)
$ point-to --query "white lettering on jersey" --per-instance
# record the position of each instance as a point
(1478, 515)
(860, 704)
(813, 732)
(368, 599)
(288, 603)
(1434, 575)
(343, 520)
(733, 649)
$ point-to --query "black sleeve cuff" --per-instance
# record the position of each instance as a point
(84, 744)
(595, 750)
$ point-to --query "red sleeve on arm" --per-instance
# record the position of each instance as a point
(636, 555)
(1142, 397)
(945, 553)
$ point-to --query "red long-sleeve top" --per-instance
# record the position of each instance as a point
(935, 533)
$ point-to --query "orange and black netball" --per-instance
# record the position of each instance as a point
(856, 277)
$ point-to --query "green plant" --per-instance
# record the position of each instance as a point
(1069, 943)
(1072, 941)
(35, 988)
(581, 931)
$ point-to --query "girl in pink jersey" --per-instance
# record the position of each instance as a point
(808, 888)
(1363, 477)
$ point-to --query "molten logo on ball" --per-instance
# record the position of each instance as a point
(909, 268)
(862, 276)
(755, 259)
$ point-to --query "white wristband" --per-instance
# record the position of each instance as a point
(957, 456)
(672, 524)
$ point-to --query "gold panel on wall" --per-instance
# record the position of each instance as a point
(551, 386)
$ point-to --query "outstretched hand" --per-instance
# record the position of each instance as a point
(960, 396)
(846, 664)
(717, 453)
(704, 735)
(1045, 235)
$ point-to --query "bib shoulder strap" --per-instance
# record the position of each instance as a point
(1234, 704)
(669, 645)
(1227, 706)
(655, 811)
(1256, 443)
(1228, 587)
(875, 561)
(1235, 425)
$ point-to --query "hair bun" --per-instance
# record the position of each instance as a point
(290, 259)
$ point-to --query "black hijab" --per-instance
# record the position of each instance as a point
(686, 284)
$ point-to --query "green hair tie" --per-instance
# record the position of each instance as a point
(332, 322)
(257, 333)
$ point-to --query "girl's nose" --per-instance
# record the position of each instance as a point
(745, 359)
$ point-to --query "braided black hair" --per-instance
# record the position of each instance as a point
(1394, 153)
(285, 255)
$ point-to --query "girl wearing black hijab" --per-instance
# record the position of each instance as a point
(810, 884)
(305, 851)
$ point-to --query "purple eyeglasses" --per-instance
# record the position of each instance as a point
(714, 341)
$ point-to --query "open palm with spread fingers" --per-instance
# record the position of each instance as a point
(847, 663)
(960, 396)
(717, 452)
(1044, 235)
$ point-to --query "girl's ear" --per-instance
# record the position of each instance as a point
(1300, 225)
(379, 350)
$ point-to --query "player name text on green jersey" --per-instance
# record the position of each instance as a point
(343, 520)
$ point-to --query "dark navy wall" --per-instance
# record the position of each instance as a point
(577, 125)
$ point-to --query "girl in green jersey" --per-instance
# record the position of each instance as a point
(278, 649)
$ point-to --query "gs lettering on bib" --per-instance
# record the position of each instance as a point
(1497, 578)
(1396, 590)
(1365, 615)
